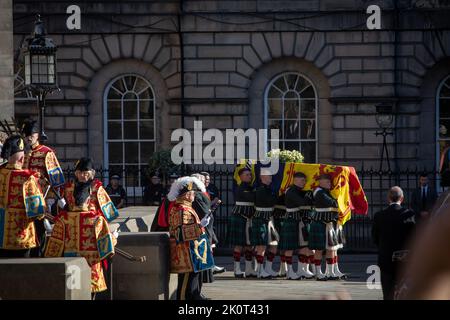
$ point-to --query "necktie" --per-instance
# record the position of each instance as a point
(424, 198)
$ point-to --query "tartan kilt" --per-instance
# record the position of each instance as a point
(246, 211)
(278, 213)
(341, 237)
(337, 240)
(317, 236)
(236, 235)
(277, 223)
(304, 227)
(288, 234)
(258, 232)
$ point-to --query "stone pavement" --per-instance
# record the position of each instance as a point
(227, 287)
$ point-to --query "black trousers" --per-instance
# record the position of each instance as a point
(189, 286)
(388, 284)
(40, 235)
(5, 253)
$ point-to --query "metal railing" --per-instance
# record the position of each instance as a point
(357, 230)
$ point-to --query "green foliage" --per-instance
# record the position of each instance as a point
(161, 162)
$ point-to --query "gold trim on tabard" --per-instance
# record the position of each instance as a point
(204, 256)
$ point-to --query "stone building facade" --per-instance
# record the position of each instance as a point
(6, 59)
(218, 62)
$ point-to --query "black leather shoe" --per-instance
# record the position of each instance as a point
(203, 297)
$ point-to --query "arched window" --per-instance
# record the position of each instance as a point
(443, 112)
(129, 113)
(291, 107)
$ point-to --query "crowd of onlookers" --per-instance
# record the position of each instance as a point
(154, 190)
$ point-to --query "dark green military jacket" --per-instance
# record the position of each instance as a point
(297, 197)
(265, 197)
(324, 199)
(245, 193)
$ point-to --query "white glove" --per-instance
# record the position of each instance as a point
(205, 221)
(61, 203)
(48, 226)
(50, 203)
(115, 234)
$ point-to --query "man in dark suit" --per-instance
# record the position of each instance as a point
(423, 198)
(392, 228)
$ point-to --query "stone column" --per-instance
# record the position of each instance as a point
(6, 60)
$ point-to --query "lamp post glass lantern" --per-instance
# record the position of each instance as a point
(384, 118)
(40, 68)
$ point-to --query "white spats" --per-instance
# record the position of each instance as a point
(249, 270)
(329, 272)
(261, 272)
(303, 272)
(237, 270)
(319, 274)
(269, 269)
(291, 275)
(283, 269)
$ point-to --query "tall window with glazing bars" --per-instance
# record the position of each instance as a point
(129, 127)
(291, 107)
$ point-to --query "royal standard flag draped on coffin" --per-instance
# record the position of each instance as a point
(346, 187)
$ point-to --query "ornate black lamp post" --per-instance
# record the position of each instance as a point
(40, 68)
(384, 118)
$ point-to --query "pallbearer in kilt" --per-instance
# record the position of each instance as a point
(295, 227)
(279, 213)
(263, 232)
(21, 202)
(323, 228)
(42, 159)
(273, 231)
(239, 225)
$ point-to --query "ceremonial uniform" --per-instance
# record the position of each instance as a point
(324, 221)
(42, 159)
(190, 250)
(100, 202)
(81, 228)
(279, 213)
(262, 229)
(201, 206)
(238, 230)
(21, 202)
(295, 225)
(82, 232)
